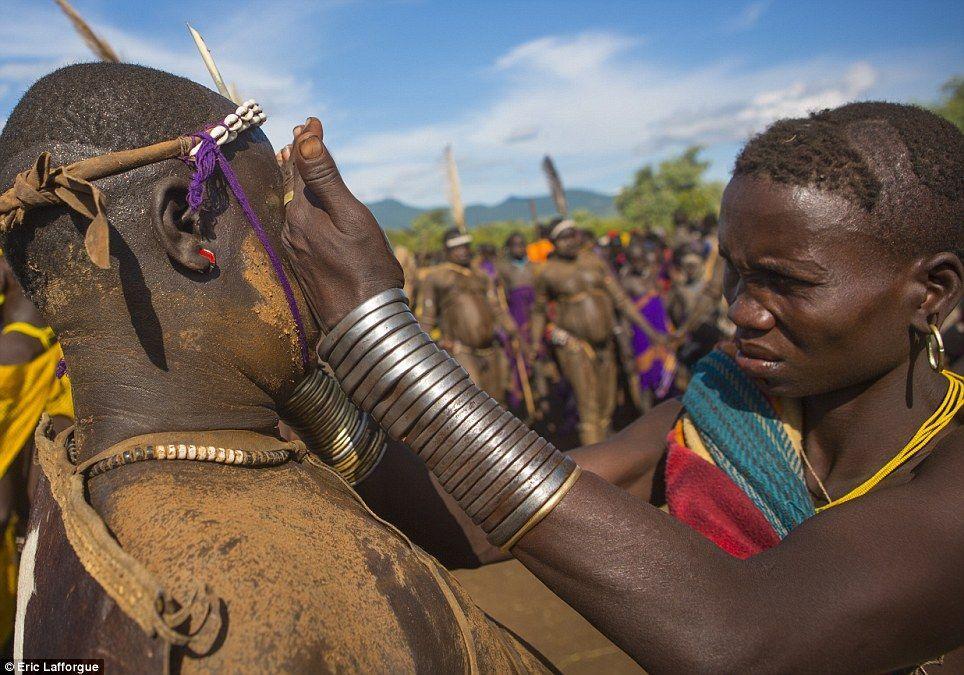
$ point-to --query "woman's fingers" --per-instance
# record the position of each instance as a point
(318, 170)
(332, 239)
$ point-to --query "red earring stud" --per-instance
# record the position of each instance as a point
(209, 254)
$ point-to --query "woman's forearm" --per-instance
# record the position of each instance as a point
(662, 593)
(676, 603)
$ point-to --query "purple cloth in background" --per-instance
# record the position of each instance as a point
(488, 267)
(654, 372)
(520, 301)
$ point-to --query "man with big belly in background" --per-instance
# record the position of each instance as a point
(587, 297)
(460, 301)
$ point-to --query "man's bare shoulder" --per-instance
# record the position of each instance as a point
(435, 273)
(546, 270)
(592, 258)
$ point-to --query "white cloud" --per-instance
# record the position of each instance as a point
(565, 57)
(794, 99)
(599, 109)
(748, 16)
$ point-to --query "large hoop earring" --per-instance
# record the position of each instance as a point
(935, 349)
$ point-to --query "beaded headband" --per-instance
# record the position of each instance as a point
(561, 227)
(71, 185)
(461, 240)
(249, 114)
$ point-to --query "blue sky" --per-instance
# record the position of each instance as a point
(602, 86)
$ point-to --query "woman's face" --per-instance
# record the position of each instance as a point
(818, 304)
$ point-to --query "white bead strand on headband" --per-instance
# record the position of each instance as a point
(249, 114)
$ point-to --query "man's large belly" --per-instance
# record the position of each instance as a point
(467, 318)
(589, 317)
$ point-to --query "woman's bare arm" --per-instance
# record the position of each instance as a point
(630, 458)
(402, 490)
(868, 586)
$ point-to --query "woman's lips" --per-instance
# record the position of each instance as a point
(756, 361)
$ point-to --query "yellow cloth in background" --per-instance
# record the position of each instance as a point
(27, 390)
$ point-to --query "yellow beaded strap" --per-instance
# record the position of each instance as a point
(949, 407)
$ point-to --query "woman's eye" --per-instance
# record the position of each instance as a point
(785, 284)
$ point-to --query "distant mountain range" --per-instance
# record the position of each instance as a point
(394, 215)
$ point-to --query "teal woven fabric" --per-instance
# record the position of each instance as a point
(746, 439)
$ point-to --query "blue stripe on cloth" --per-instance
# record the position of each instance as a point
(747, 440)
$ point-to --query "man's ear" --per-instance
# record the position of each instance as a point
(944, 282)
(176, 226)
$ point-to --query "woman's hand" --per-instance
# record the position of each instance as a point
(339, 253)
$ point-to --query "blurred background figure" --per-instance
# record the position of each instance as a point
(516, 286)
(585, 295)
(653, 364)
(29, 387)
(458, 303)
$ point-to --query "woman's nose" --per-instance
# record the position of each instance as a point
(749, 314)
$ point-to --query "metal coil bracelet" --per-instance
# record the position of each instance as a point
(505, 476)
(339, 434)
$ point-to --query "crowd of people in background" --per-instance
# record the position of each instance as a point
(596, 329)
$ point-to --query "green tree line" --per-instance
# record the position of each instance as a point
(657, 198)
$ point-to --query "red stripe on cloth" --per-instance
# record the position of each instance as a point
(703, 497)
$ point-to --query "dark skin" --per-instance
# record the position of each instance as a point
(639, 278)
(519, 272)
(868, 586)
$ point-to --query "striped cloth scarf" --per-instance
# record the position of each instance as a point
(745, 437)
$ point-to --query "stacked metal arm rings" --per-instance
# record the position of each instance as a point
(506, 477)
(342, 436)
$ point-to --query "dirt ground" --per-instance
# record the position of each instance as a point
(511, 595)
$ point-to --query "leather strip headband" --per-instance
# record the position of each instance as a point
(70, 185)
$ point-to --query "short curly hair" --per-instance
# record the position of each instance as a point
(900, 163)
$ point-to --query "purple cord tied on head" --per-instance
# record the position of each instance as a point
(61, 369)
(206, 159)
